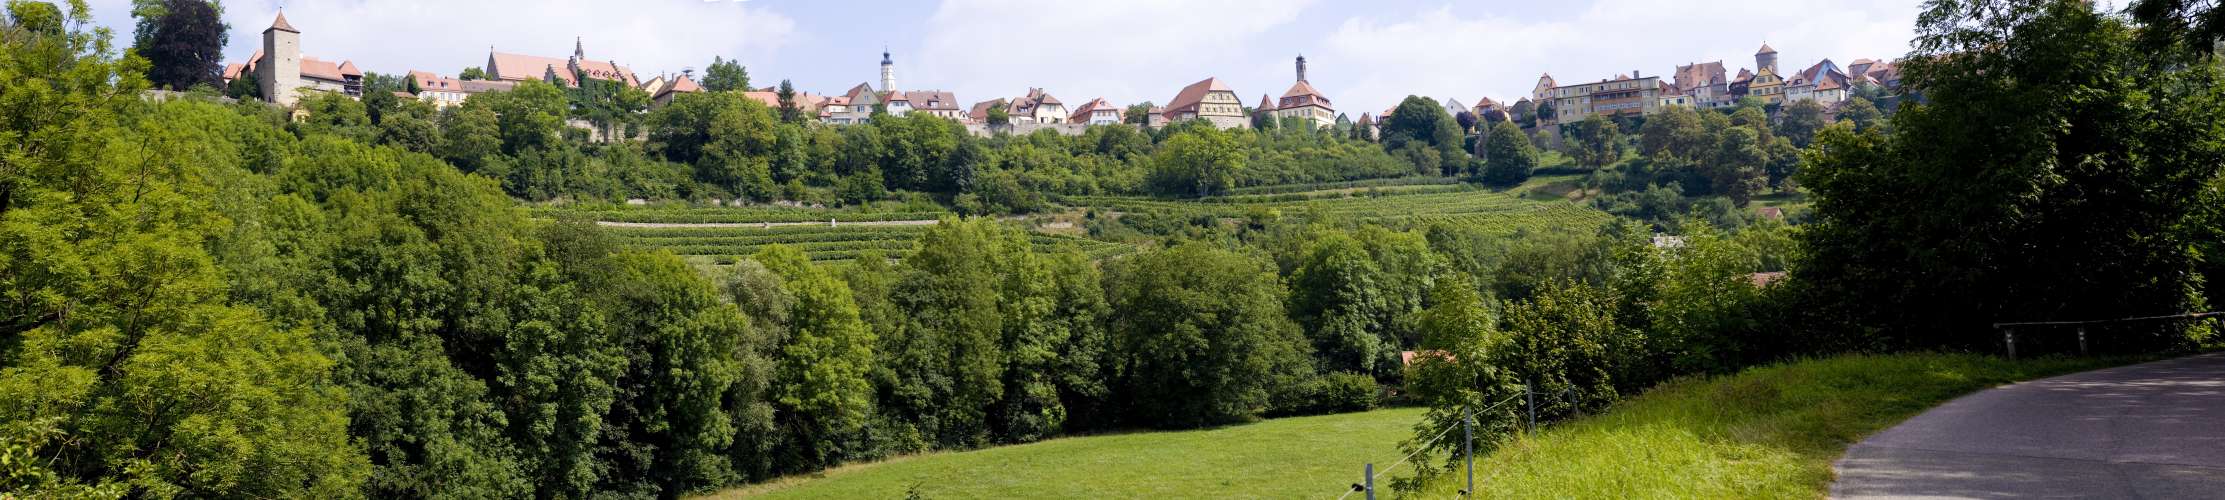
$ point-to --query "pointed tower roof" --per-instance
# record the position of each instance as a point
(1765, 49)
(1266, 104)
(281, 25)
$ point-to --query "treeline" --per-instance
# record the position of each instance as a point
(727, 146)
(2062, 164)
(213, 300)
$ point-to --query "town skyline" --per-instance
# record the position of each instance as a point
(1366, 59)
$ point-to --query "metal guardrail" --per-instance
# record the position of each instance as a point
(2008, 329)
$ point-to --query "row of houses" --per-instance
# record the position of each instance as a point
(282, 72)
(1705, 85)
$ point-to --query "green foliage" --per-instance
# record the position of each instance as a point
(726, 136)
(1430, 135)
(1594, 142)
(471, 73)
(1801, 120)
(183, 42)
(1197, 161)
(1508, 157)
(725, 75)
(126, 364)
(2051, 174)
(1355, 294)
(1201, 338)
(1455, 375)
(822, 394)
(1862, 113)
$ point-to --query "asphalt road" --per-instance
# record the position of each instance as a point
(2154, 430)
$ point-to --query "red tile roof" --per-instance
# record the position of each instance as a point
(980, 112)
(280, 24)
(426, 81)
(313, 68)
(769, 99)
(1765, 49)
(932, 100)
(1082, 114)
(1188, 99)
(1694, 76)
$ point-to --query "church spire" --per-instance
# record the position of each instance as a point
(579, 48)
(1301, 67)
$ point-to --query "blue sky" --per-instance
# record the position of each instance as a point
(1365, 54)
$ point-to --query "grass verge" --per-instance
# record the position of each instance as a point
(1768, 432)
(1302, 457)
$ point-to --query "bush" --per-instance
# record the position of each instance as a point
(1340, 392)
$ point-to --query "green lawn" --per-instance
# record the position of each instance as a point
(1304, 457)
(1770, 432)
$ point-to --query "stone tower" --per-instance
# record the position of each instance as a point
(1301, 67)
(1766, 59)
(888, 72)
(279, 72)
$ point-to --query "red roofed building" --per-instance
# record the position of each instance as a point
(940, 103)
(1096, 112)
(1823, 83)
(1208, 100)
(663, 92)
(1037, 107)
(1705, 82)
(564, 72)
(283, 73)
(1302, 101)
(441, 91)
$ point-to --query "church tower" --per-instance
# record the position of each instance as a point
(888, 72)
(1301, 68)
(279, 72)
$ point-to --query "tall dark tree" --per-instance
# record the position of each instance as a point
(2050, 174)
(1508, 157)
(790, 112)
(2191, 28)
(183, 41)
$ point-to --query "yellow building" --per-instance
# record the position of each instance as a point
(1767, 84)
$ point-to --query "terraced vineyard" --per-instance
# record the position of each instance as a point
(1466, 207)
(822, 243)
(736, 215)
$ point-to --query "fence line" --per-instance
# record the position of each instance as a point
(1369, 486)
(2008, 329)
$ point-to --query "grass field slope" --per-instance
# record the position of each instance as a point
(1304, 457)
(1769, 432)
(1409, 206)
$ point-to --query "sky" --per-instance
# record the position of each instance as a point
(1366, 55)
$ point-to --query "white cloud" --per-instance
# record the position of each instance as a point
(1125, 51)
(444, 36)
(1448, 52)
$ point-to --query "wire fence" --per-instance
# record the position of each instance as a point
(1367, 483)
(2050, 337)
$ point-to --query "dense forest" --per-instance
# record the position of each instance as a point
(204, 298)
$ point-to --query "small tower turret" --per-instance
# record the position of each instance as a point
(888, 72)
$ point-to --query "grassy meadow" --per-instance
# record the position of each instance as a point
(1768, 432)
